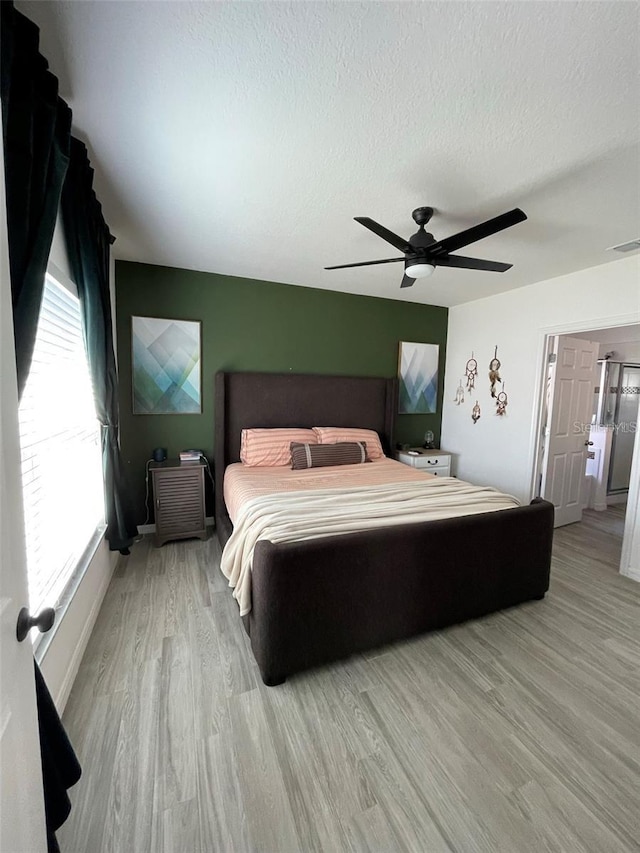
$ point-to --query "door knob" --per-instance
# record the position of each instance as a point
(588, 443)
(43, 621)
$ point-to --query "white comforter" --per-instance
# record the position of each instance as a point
(294, 516)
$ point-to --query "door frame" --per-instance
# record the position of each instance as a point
(630, 558)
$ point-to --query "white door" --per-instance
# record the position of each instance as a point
(572, 375)
(22, 825)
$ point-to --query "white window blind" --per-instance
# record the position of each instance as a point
(61, 456)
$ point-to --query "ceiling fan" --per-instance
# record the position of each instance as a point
(423, 253)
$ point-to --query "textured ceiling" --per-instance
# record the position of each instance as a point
(242, 137)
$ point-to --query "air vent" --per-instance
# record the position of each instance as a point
(631, 246)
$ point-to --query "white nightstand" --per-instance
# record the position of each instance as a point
(434, 461)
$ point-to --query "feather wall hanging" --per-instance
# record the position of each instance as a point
(494, 372)
(475, 413)
(459, 398)
(501, 402)
(471, 371)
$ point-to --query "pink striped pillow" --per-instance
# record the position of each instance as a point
(332, 435)
(271, 447)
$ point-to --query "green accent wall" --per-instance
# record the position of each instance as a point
(263, 326)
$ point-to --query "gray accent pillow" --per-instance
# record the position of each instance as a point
(322, 455)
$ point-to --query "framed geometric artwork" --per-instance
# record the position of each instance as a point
(166, 358)
(418, 373)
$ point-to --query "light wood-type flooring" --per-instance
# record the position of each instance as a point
(517, 732)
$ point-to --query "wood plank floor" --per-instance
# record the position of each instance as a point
(517, 732)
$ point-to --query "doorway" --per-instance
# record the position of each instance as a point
(607, 474)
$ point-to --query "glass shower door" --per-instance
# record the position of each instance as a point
(625, 424)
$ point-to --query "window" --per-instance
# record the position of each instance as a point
(60, 442)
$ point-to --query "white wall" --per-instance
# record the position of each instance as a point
(501, 451)
(630, 562)
(623, 342)
(624, 351)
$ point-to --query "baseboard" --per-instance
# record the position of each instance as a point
(143, 529)
(634, 574)
(617, 499)
(74, 663)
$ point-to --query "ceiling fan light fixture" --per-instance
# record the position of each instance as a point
(418, 269)
(422, 254)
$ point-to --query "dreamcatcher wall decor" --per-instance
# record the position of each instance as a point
(471, 371)
(501, 402)
(499, 397)
(494, 372)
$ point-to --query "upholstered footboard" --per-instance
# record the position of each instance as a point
(324, 599)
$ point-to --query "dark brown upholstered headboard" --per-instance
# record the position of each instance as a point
(244, 400)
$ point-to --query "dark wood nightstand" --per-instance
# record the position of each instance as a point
(178, 493)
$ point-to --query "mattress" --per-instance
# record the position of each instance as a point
(243, 483)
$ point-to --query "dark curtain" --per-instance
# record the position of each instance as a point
(60, 767)
(36, 127)
(88, 246)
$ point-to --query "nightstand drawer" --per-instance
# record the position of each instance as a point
(438, 470)
(434, 461)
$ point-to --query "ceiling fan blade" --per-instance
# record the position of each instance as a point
(469, 263)
(365, 264)
(383, 232)
(407, 281)
(478, 232)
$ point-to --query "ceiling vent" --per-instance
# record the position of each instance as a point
(631, 246)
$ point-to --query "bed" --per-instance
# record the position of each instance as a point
(320, 600)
